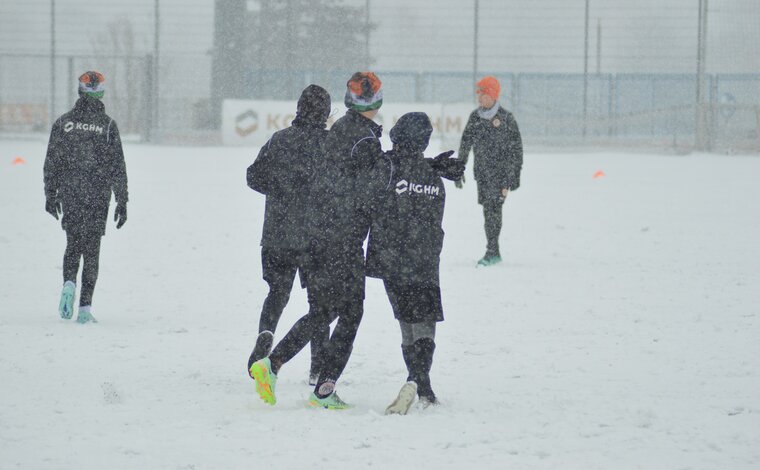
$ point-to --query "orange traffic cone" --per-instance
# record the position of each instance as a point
(599, 174)
(19, 161)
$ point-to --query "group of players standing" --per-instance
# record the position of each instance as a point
(329, 191)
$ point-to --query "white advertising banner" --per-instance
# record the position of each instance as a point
(252, 122)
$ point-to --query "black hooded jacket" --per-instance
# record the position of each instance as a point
(406, 237)
(497, 146)
(84, 164)
(338, 215)
(284, 169)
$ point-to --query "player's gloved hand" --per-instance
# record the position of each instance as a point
(120, 214)
(53, 207)
(443, 155)
(449, 168)
(460, 182)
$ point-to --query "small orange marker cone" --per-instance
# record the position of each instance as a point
(599, 174)
(19, 161)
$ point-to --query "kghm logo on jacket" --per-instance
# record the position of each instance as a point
(70, 126)
(405, 186)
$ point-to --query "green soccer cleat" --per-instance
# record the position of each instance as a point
(66, 306)
(330, 402)
(85, 316)
(489, 260)
(261, 371)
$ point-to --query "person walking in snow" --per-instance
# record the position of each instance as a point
(338, 225)
(404, 246)
(83, 166)
(492, 134)
(283, 171)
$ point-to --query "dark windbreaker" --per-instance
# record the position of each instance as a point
(497, 146)
(283, 171)
(338, 217)
(407, 236)
(84, 164)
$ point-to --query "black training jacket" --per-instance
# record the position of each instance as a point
(497, 146)
(406, 237)
(283, 171)
(338, 215)
(84, 164)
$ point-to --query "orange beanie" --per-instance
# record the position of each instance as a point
(489, 86)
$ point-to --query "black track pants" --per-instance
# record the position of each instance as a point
(279, 269)
(87, 246)
(492, 215)
(338, 347)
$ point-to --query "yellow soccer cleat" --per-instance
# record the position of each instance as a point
(261, 371)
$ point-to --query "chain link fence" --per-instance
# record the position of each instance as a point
(163, 94)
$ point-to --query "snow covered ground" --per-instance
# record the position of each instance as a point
(621, 332)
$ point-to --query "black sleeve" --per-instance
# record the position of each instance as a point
(118, 165)
(514, 153)
(468, 137)
(259, 176)
(449, 168)
(368, 153)
(51, 169)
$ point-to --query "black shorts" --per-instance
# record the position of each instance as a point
(279, 266)
(415, 303)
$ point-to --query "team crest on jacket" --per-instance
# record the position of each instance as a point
(405, 186)
(496, 122)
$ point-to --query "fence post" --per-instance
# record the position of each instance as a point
(613, 105)
(757, 121)
(701, 139)
(69, 79)
(149, 100)
(51, 118)
(713, 116)
(516, 104)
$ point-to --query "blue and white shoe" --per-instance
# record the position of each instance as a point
(84, 315)
(66, 306)
(489, 260)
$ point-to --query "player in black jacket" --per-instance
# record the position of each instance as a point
(404, 249)
(492, 133)
(83, 166)
(283, 172)
(338, 225)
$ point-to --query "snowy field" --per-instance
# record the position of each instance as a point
(621, 332)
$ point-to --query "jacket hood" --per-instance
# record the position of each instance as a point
(313, 106)
(87, 104)
(412, 132)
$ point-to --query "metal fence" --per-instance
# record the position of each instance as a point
(612, 72)
(620, 109)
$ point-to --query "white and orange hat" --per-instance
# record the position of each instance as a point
(364, 92)
(92, 84)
